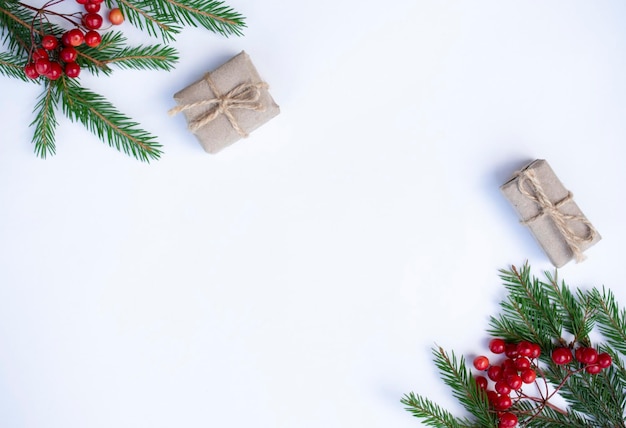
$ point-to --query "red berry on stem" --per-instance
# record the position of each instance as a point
(604, 360)
(75, 37)
(116, 17)
(589, 356)
(92, 38)
(497, 346)
(503, 402)
(522, 363)
(42, 65)
(72, 69)
(481, 362)
(68, 54)
(510, 350)
(593, 369)
(49, 42)
(535, 350)
(92, 7)
(562, 356)
(524, 348)
(482, 382)
(93, 21)
(39, 53)
(507, 420)
(55, 71)
(528, 376)
(30, 71)
(502, 387)
(514, 381)
(494, 373)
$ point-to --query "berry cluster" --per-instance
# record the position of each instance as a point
(508, 377)
(55, 57)
(521, 366)
(592, 361)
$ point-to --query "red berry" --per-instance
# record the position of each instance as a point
(535, 350)
(604, 360)
(39, 53)
(49, 42)
(562, 356)
(481, 381)
(74, 37)
(492, 396)
(514, 381)
(524, 348)
(510, 350)
(503, 402)
(92, 7)
(528, 376)
(82, 1)
(92, 38)
(42, 65)
(522, 363)
(497, 346)
(116, 17)
(72, 69)
(481, 362)
(93, 21)
(502, 387)
(494, 373)
(55, 71)
(68, 54)
(30, 71)
(588, 356)
(593, 369)
(507, 420)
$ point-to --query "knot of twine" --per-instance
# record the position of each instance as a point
(243, 96)
(529, 186)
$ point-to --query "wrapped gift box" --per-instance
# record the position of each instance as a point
(549, 211)
(226, 104)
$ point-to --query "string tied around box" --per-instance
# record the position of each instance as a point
(243, 96)
(528, 184)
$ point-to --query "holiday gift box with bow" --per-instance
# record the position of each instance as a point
(226, 104)
(549, 211)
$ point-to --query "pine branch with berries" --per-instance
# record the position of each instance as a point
(51, 47)
(543, 369)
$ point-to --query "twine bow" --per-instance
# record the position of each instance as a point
(243, 96)
(529, 186)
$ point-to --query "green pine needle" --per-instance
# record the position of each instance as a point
(104, 120)
(11, 66)
(552, 315)
(45, 122)
(22, 27)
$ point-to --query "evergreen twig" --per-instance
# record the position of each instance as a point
(551, 315)
(23, 25)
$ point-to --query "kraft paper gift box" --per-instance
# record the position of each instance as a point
(226, 104)
(548, 209)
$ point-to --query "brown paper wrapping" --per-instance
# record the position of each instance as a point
(547, 208)
(220, 132)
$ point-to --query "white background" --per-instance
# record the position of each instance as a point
(300, 277)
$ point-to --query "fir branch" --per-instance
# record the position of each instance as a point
(527, 311)
(454, 373)
(611, 319)
(12, 66)
(45, 122)
(102, 119)
(155, 57)
(213, 15)
(145, 16)
(430, 413)
(576, 311)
